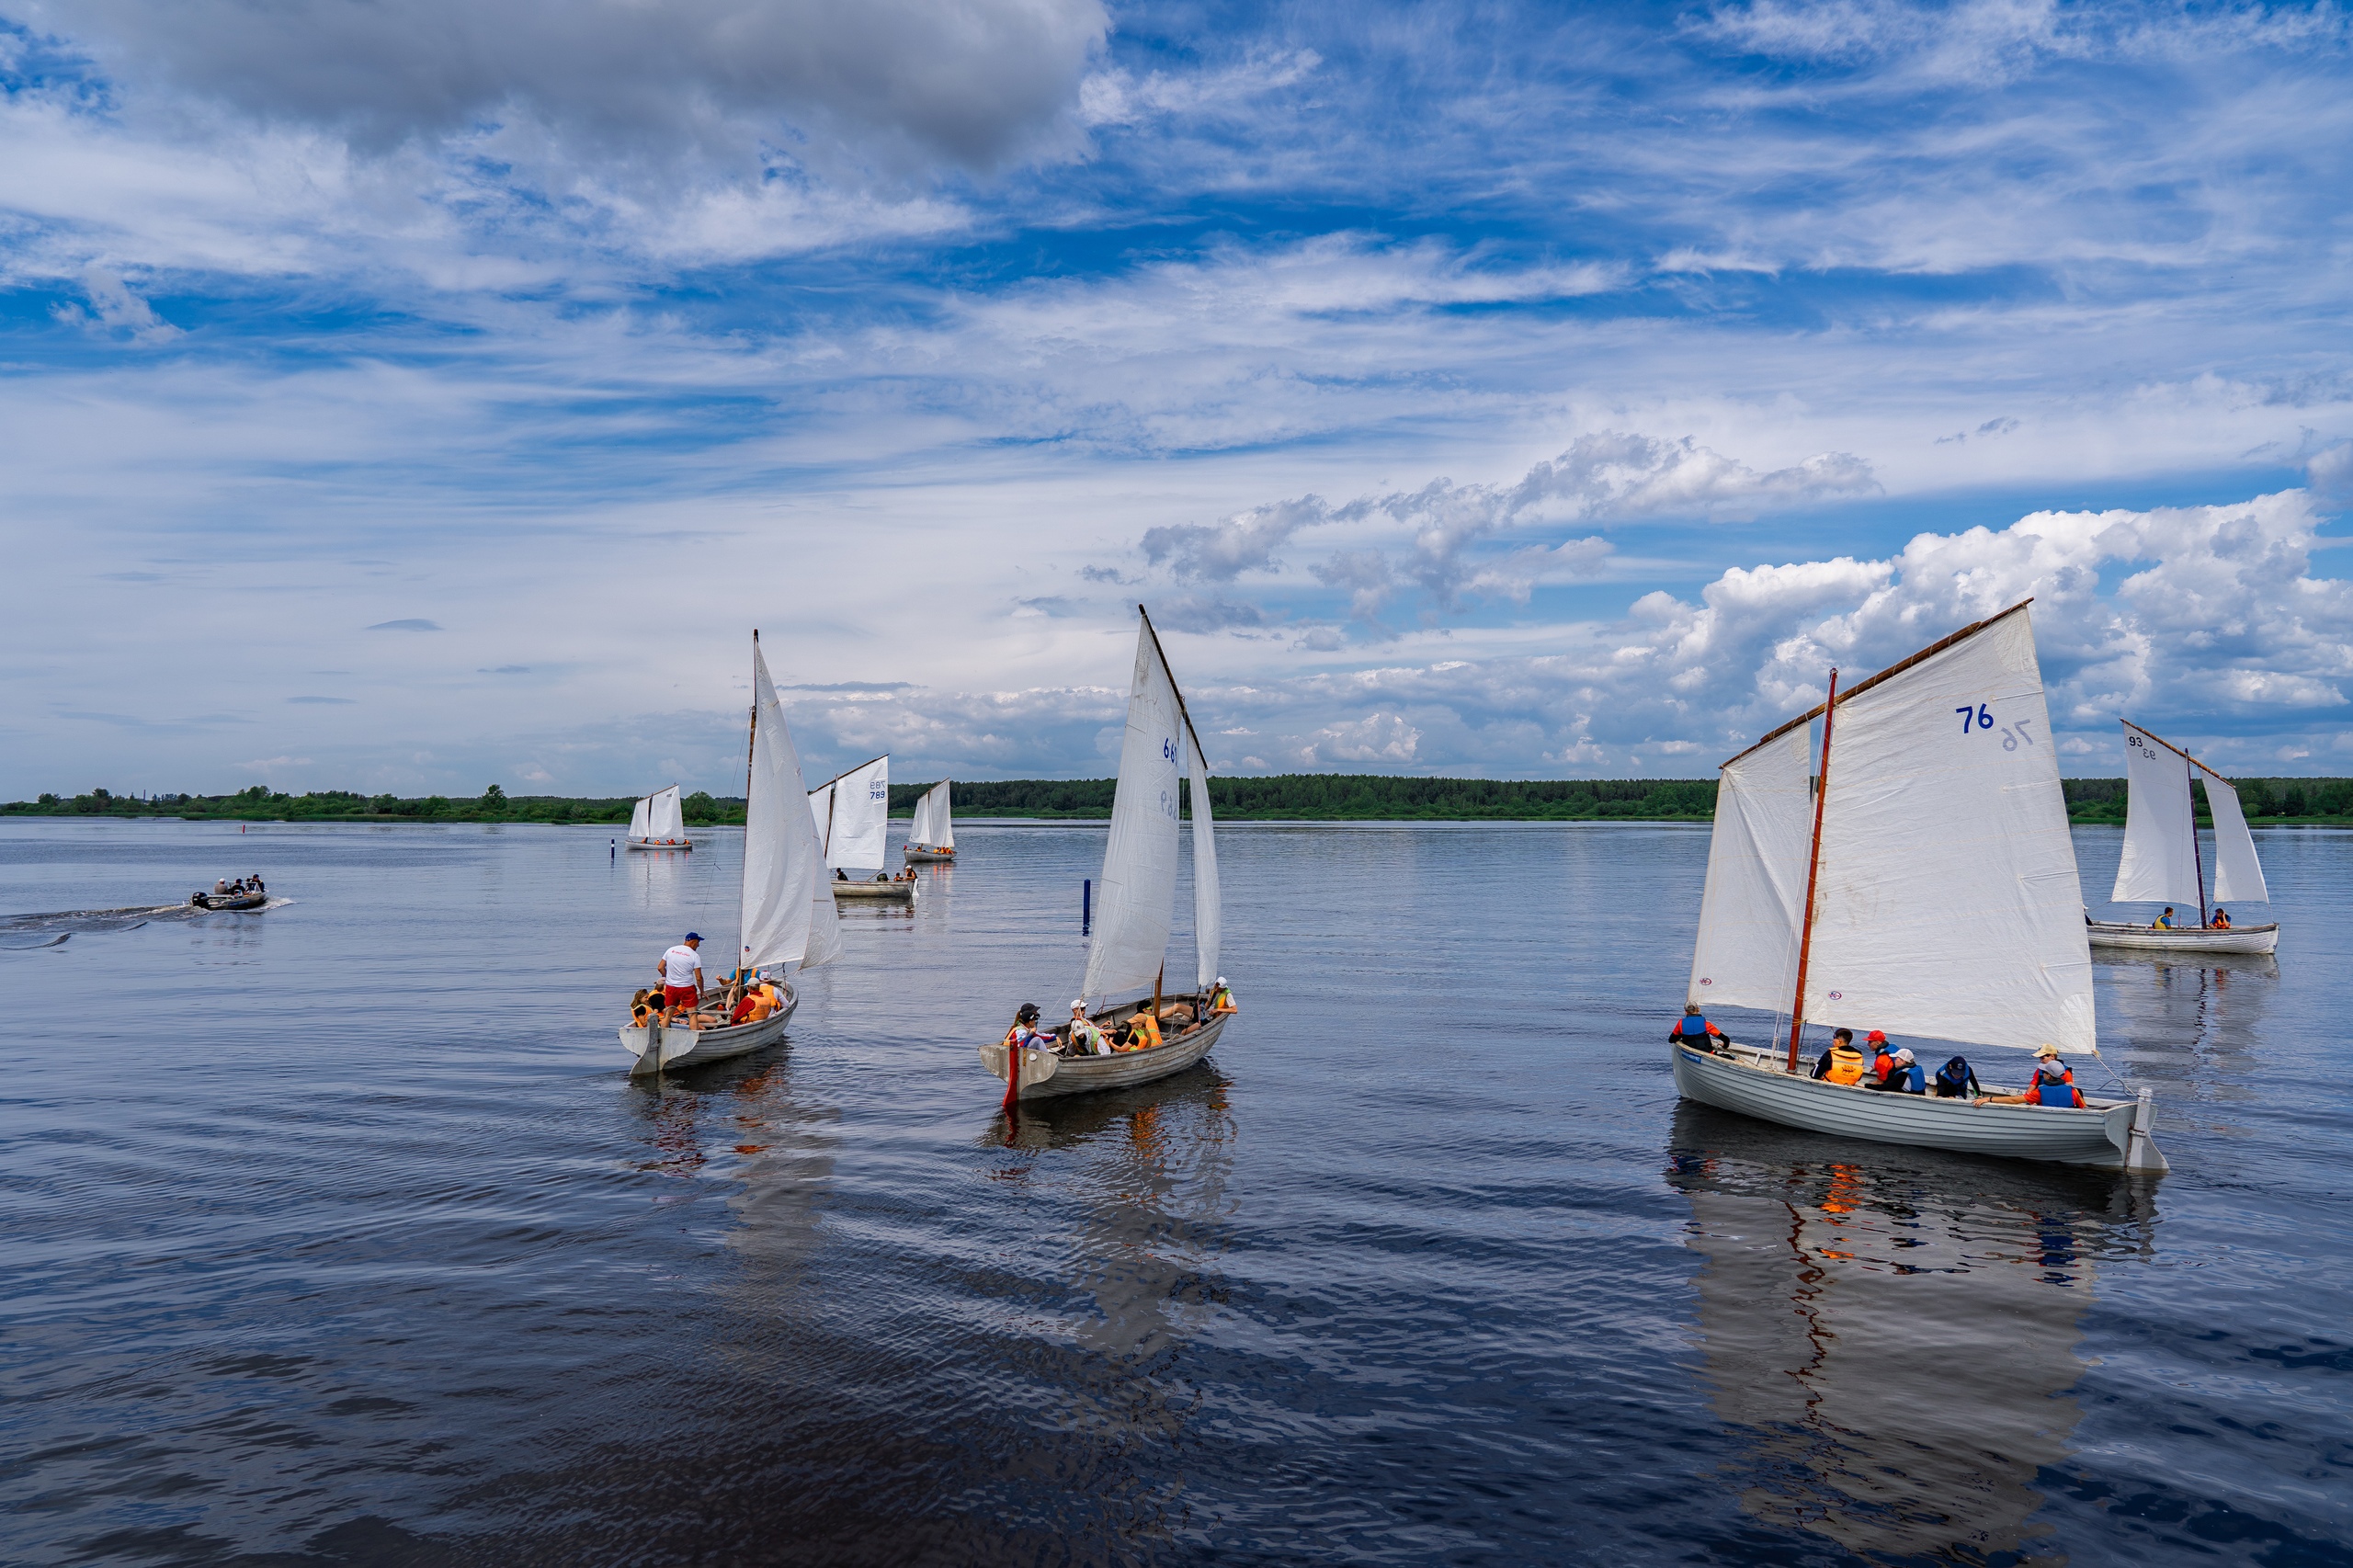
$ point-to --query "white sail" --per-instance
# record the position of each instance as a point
(852, 814)
(1138, 892)
(666, 818)
(1209, 916)
(1746, 952)
(788, 910)
(934, 827)
(2238, 875)
(1949, 904)
(640, 818)
(2160, 864)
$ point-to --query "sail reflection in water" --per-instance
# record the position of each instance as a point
(1892, 1337)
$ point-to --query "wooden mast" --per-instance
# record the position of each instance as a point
(751, 757)
(1812, 868)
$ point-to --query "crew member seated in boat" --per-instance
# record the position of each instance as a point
(252, 883)
(1024, 1034)
(2165, 922)
(1840, 1040)
(2222, 921)
(1883, 1056)
(1221, 998)
(1140, 1032)
(1694, 1030)
(1904, 1075)
(1085, 1040)
(642, 1007)
(840, 875)
(219, 887)
(2054, 1084)
(1177, 1018)
(1958, 1080)
(760, 999)
(1847, 1064)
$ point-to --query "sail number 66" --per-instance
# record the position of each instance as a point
(1981, 717)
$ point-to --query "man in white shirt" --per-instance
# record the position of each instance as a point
(681, 970)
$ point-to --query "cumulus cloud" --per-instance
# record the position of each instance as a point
(115, 310)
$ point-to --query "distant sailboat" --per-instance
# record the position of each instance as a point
(932, 835)
(1933, 893)
(2162, 862)
(852, 813)
(784, 915)
(1136, 905)
(658, 822)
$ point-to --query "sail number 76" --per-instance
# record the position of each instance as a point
(1981, 718)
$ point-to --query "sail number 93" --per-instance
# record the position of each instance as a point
(1981, 718)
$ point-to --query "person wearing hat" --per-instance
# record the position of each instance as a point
(1085, 1040)
(1882, 1057)
(1904, 1075)
(1221, 998)
(681, 970)
(1694, 1030)
(2054, 1084)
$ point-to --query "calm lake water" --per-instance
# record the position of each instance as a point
(336, 1235)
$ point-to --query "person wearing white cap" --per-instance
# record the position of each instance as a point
(1221, 998)
(1905, 1077)
(1085, 1040)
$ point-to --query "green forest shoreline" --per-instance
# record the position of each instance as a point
(1292, 797)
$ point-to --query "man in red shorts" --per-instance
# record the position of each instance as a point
(682, 975)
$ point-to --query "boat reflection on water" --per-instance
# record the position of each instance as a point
(1892, 1333)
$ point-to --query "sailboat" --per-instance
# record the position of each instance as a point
(657, 822)
(1136, 906)
(1933, 894)
(852, 813)
(932, 835)
(2162, 862)
(784, 915)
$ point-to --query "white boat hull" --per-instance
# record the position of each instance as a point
(2190, 939)
(901, 892)
(691, 1047)
(916, 855)
(1754, 1082)
(1045, 1075)
(661, 844)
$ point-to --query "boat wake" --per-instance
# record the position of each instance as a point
(30, 932)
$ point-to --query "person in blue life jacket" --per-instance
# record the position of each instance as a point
(1956, 1080)
(1882, 1058)
(2222, 921)
(1694, 1030)
(2164, 921)
(1904, 1075)
(2054, 1084)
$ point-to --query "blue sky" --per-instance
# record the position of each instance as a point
(414, 398)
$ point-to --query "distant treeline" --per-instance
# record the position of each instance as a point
(1312, 797)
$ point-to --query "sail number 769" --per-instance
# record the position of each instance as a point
(1981, 718)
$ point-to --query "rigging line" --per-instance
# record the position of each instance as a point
(1182, 711)
(2178, 752)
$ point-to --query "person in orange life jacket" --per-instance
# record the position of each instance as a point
(1904, 1075)
(2222, 921)
(1847, 1065)
(1694, 1030)
(2052, 1084)
(1840, 1040)
(2164, 921)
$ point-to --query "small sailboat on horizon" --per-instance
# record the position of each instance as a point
(1128, 957)
(659, 822)
(784, 915)
(932, 835)
(1920, 880)
(2163, 862)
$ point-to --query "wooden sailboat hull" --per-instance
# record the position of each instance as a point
(1752, 1082)
(916, 856)
(1120, 1070)
(691, 1047)
(902, 892)
(661, 844)
(2193, 939)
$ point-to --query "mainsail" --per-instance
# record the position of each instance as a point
(1136, 904)
(1747, 954)
(934, 828)
(1947, 903)
(788, 910)
(2160, 860)
(2160, 864)
(852, 814)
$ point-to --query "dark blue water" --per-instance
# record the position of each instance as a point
(336, 1235)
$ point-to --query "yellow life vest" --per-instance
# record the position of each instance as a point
(1150, 1027)
(1221, 1000)
(1845, 1065)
